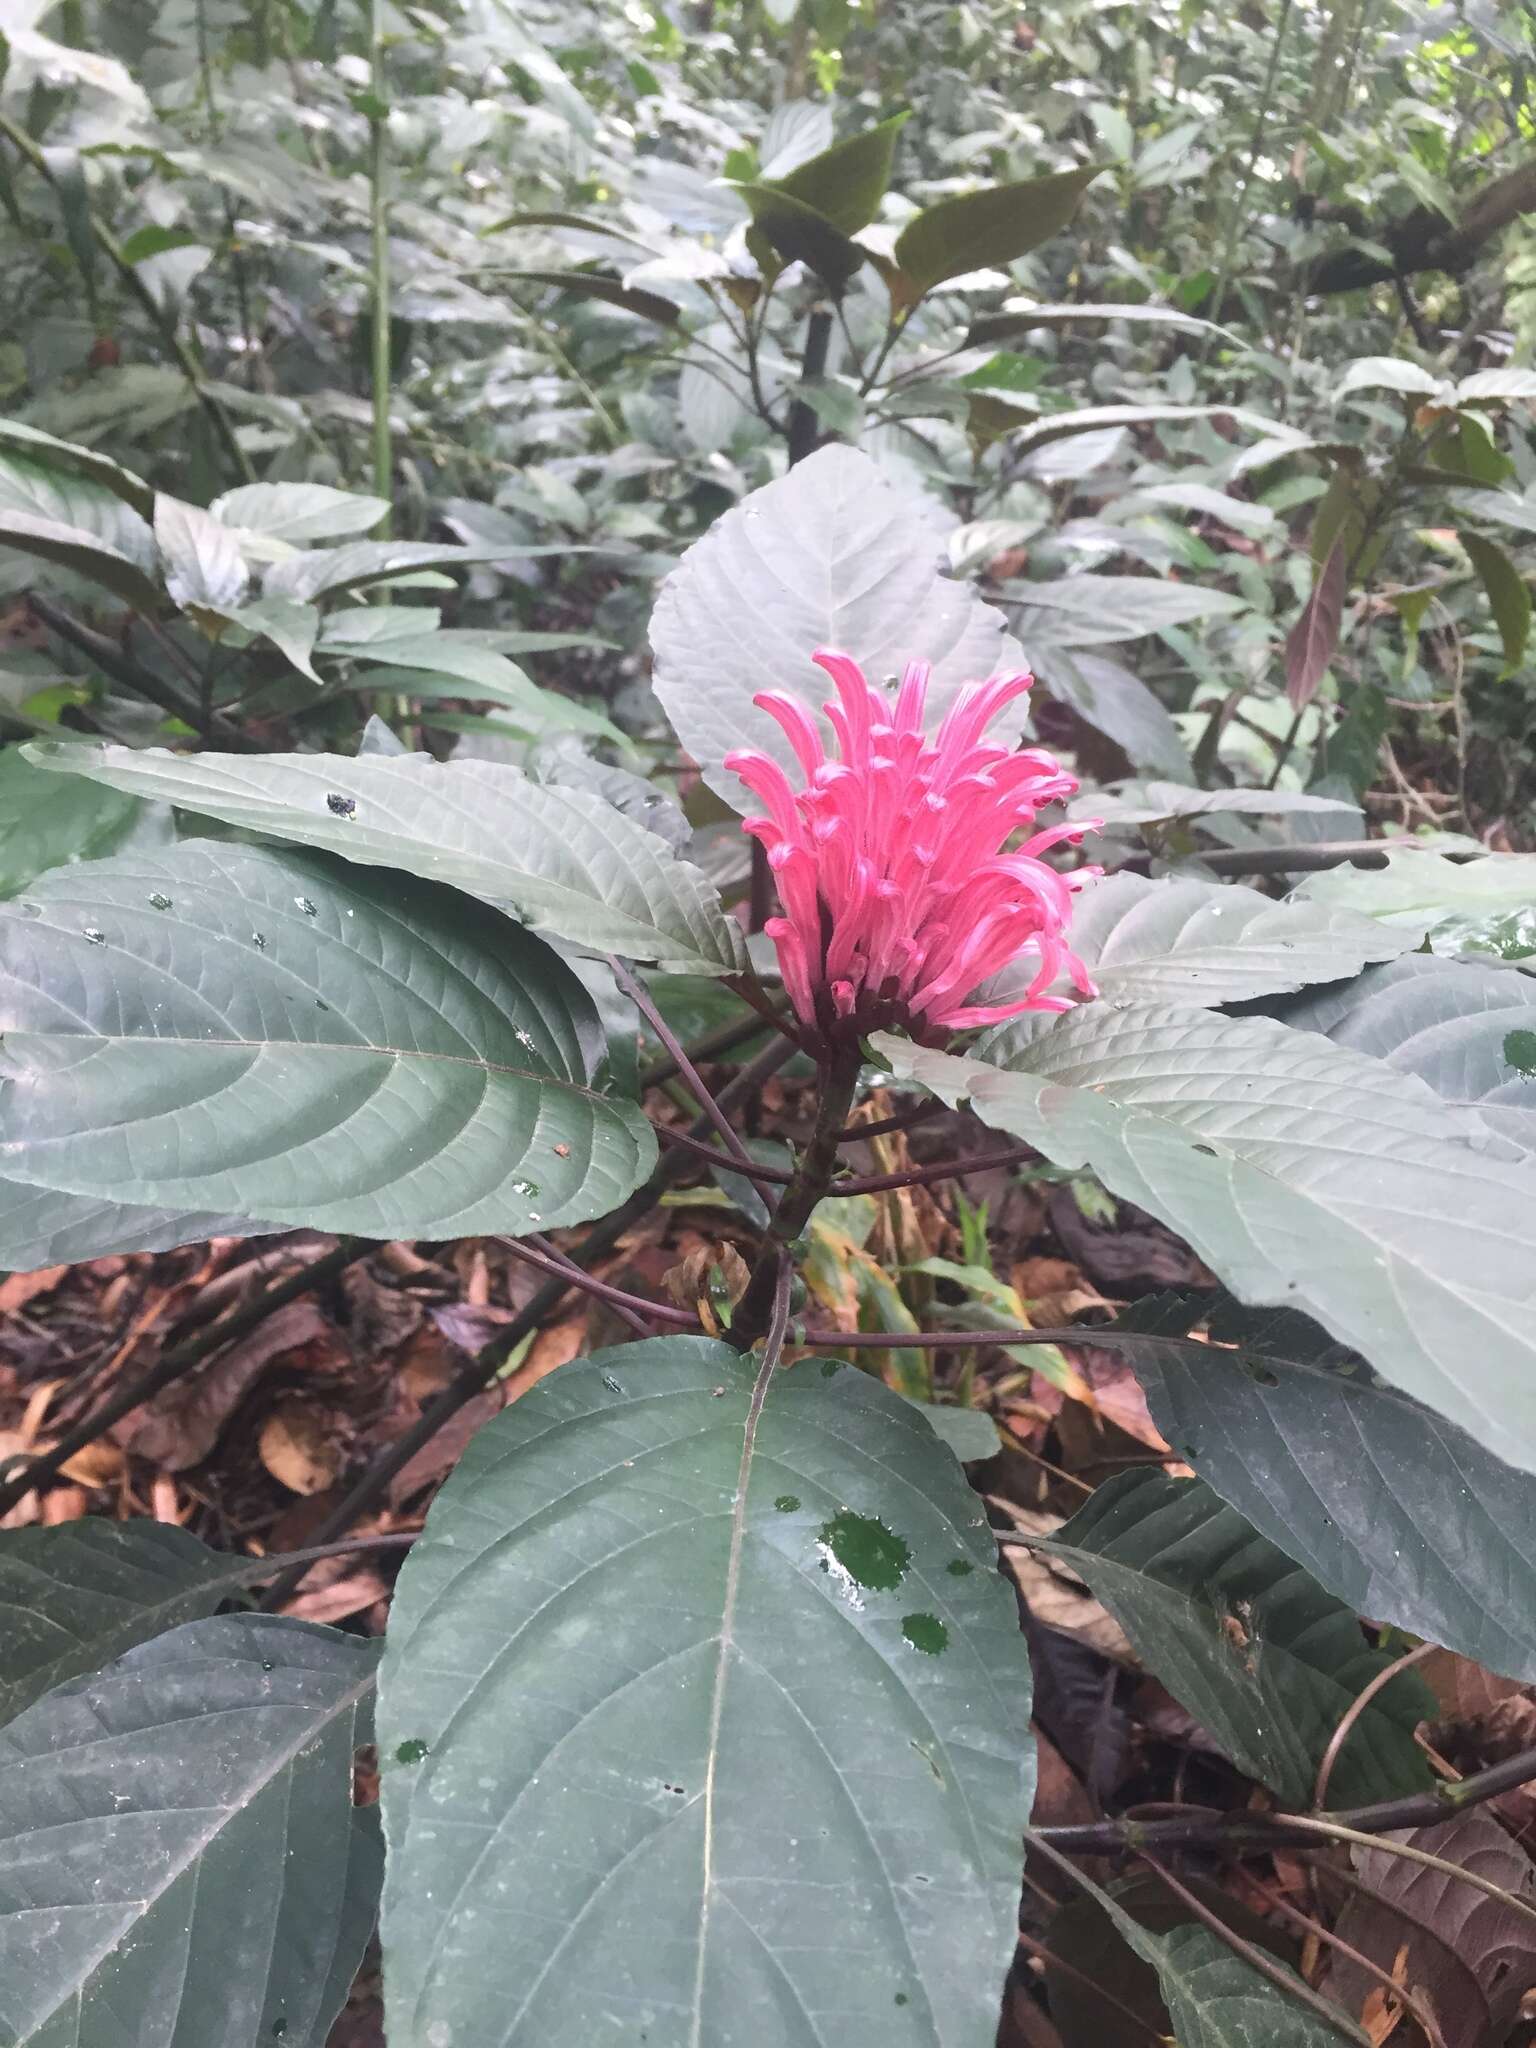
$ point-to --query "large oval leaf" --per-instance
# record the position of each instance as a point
(1466, 1029)
(1203, 944)
(1255, 1649)
(1393, 1509)
(44, 823)
(1306, 1175)
(838, 553)
(267, 1035)
(702, 1736)
(73, 1597)
(180, 1859)
(561, 860)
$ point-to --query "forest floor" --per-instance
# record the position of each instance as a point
(254, 1449)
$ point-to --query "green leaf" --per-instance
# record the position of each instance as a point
(986, 229)
(837, 553)
(298, 512)
(846, 183)
(1215, 1998)
(1205, 944)
(563, 861)
(1484, 385)
(1507, 593)
(1263, 1658)
(1305, 1174)
(1116, 702)
(40, 491)
(76, 1597)
(221, 1029)
(1092, 419)
(45, 823)
(290, 626)
(1398, 1513)
(1390, 373)
(799, 234)
(204, 568)
(70, 458)
(592, 284)
(1016, 317)
(1448, 1022)
(152, 240)
(581, 221)
(1116, 607)
(160, 1875)
(73, 547)
(1151, 803)
(1485, 905)
(316, 571)
(625, 1600)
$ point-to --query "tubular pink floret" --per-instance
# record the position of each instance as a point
(902, 885)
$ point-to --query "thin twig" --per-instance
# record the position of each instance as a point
(174, 1366)
(1266, 1831)
(1355, 1709)
(903, 1120)
(940, 1169)
(629, 1305)
(1316, 1930)
(1053, 1961)
(1287, 1981)
(639, 996)
(710, 1046)
(753, 1169)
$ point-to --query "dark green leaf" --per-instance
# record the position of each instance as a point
(624, 1601)
(67, 498)
(75, 1597)
(225, 1030)
(1305, 1174)
(592, 284)
(1398, 1513)
(72, 547)
(45, 823)
(155, 241)
(180, 1858)
(799, 234)
(1507, 593)
(1263, 1658)
(315, 571)
(982, 230)
(562, 859)
(846, 183)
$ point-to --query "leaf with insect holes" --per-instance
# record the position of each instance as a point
(627, 1596)
(224, 1030)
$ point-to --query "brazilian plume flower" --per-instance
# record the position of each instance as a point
(900, 890)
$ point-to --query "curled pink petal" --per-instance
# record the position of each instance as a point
(899, 864)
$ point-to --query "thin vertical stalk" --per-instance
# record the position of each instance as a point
(1239, 214)
(378, 170)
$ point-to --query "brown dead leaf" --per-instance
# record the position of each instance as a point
(97, 1464)
(17, 1289)
(64, 1504)
(382, 1318)
(181, 1426)
(336, 1602)
(437, 1458)
(1468, 1956)
(552, 1348)
(1055, 1595)
(1116, 1395)
(298, 1446)
(469, 1328)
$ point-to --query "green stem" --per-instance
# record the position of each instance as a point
(1240, 197)
(378, 139)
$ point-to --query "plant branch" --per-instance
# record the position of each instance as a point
(640, 997)
(938, 1169)
(106, 655)
(1263, 1832)
(162, 319)
(1351, 1715)
(176, 1365)
(633, 1305)
(378, 265)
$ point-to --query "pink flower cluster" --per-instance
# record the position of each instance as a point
(899, 896)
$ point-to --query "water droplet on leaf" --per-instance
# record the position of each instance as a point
(411, 1752)
(306, 906)
(959, 1567)
(927, 1633)
(611, 1384)
(159, 902)
(868, 1552)
(787, 1503)
(341, 806)
(93, 937)
(259, 941)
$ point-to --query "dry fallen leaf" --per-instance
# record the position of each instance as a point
(17, 1289)
(1055, 1595)
(181, 1427)
(298, 1447)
